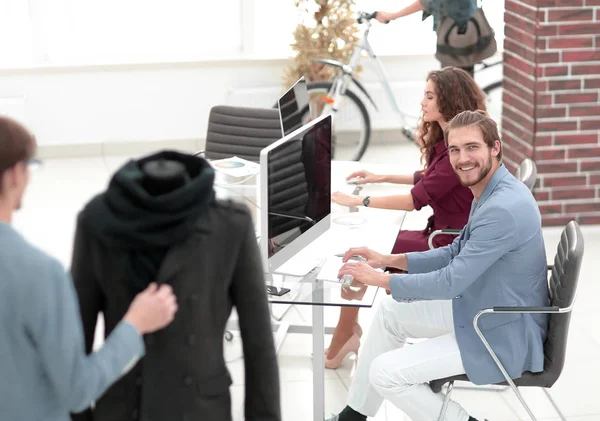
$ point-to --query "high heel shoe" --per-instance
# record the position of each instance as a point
(351, 345)
(357, 329)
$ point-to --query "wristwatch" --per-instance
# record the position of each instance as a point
(366, 201)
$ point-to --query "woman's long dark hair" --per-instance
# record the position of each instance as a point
(456, 91)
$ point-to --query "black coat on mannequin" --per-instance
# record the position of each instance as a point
(149, 228)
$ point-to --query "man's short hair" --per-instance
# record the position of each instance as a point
(479, 119)
(16, 144)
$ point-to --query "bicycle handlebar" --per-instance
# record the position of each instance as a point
(366, 17)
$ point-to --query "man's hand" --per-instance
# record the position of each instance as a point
(385, 17)
(372, 258)
(152, 309)
(346, 199)
(365, 274)
(363, 176)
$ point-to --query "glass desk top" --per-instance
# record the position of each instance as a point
(308, 290)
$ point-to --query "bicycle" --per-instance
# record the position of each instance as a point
(336, 94)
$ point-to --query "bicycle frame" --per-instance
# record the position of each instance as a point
(341, 82)
(364, 45)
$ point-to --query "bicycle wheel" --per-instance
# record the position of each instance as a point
(351, 128)
(493, 102)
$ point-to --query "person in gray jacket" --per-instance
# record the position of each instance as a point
(499, 259)
(44, 370)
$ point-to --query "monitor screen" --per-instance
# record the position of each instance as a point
(294, 107)
(295, 191)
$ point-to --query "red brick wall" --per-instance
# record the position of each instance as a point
(551, 110)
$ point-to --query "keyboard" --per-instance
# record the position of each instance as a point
(331, 267)
(347, 188)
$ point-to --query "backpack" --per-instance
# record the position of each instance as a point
(466, 45)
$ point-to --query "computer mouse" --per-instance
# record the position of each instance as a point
(353, 180)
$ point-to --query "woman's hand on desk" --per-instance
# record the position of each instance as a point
(346, 199)
(364, 177)
(365, 274)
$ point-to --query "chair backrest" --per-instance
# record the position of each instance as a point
(241, 131)
(562, 286)
(527, 173)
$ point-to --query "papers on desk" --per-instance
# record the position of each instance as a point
(236, 167)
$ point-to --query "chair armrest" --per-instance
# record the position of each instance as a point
(436, 385)
(199, 153)
(515, 309)
(450, 231)
(552, 309)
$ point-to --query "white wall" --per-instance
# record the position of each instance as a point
(165, 102)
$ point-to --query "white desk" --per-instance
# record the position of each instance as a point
(378, 232)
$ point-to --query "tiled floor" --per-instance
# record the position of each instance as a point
(62, 186)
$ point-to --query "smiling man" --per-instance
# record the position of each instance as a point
(498, 260)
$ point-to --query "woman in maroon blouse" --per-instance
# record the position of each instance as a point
(448, 92)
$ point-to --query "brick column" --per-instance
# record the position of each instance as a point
(551, 110)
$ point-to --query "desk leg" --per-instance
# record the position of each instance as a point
(318, 333)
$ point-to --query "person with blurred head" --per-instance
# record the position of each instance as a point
(45, 372)
(448, 92)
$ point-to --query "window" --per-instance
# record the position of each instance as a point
(273, 23)
(124, 31)
(15, 34)
(80, 32)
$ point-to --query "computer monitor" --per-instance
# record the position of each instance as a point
(294, 107)
(295, 192)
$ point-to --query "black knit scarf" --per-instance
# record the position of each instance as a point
(143, 227)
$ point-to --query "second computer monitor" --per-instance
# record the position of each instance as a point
(295, 192)
(294, 107)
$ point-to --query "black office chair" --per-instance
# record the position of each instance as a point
(562, 287)
(526, 173)
(241, 132)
